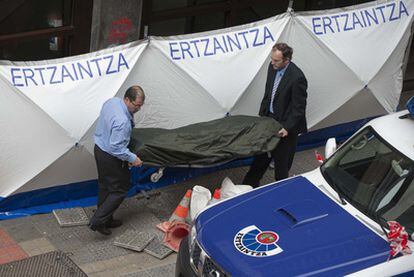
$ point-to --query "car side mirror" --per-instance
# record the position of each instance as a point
(330, 147)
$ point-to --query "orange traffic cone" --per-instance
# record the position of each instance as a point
(318, 157)
(179, 214)
(216, 197)
(175, 234)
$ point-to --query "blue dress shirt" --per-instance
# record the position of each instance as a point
(113, 131)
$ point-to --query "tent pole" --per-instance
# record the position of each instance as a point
(290, 6)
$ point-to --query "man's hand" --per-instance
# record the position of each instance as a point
(282, 133)
(137, 162)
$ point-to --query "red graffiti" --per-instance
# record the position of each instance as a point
(119, 30)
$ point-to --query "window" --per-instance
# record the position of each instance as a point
(374, 177)
(37, 30)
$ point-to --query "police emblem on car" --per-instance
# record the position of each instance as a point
(252, 241)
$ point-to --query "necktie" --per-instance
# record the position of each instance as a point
(275, 85)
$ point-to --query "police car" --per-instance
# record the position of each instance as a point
(328, 222)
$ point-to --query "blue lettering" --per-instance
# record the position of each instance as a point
(316, 26)
(74, 71)
(65, 73)
(267, 35)
(337, 23)
(81, 68)
(97, 65)
(346, 22)
(40, 70)
(28, 76)
(53, 75)
(233, 42)
(392, 5)
(381, 8)
(206, 47)
(355, 20)
(256, 33)
(110, 58)
(194, 42)
(359, 19)
(172, 51)
(185, 49)
(327, 23)
(122, 62)
(403, 9)
(14, 77)
(371, 16)
(244, 36)
(363, 18)
(225, 43)
(217, 46)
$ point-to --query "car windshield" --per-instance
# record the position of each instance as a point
(373, 177)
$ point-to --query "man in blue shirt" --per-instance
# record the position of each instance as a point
(112, 136)
(285, 101)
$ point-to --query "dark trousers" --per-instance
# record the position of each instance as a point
(283, 157)
(113, 182)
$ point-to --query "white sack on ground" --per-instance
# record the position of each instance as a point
(229, 189)
(199, 200)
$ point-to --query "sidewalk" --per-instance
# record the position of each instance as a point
(95, 254)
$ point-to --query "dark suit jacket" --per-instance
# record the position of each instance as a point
(289, 105)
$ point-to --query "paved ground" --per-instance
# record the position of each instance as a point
(95, 254)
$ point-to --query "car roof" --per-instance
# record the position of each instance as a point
(398, 130)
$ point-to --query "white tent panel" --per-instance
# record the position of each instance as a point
(224, 62)
(173, 98)
(76, 165)
(49, 109)
(330, 82)
(361, 36)
(249, 101)
(387, 83)
(30, 139)
(87, 141)
(72, 90)
(362, 105)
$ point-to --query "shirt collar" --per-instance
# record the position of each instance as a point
(282, 71)
(125, 109)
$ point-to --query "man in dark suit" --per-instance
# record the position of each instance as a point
(285, 101)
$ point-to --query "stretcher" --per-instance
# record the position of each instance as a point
(205, 144)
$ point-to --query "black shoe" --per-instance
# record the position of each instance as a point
(114, 223)
(101, 229)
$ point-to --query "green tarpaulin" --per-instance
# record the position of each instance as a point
(207, 143)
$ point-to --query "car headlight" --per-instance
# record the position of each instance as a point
(200, 262)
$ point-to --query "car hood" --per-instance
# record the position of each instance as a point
(286, 229)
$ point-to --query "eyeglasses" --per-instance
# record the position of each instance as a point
(138, 104)
(278, 61)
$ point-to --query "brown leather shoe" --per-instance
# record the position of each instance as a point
(101, 229)
(114, 223)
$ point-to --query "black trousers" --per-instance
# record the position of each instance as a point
(283, 157)
(114, 183)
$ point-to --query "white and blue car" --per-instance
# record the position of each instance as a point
(328, 222)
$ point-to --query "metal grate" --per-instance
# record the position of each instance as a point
(157, 249)
(195, 255)
(71, 217)
(211, 270)
(45, 265)
(134, 240)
